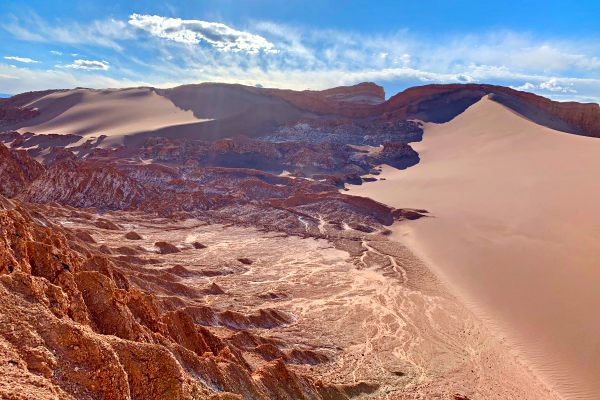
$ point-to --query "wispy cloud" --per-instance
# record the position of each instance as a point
(170, 51)
(216, 34)
(25, 60)
(103, 33)
(22, 79)
(89, 65)
(6, 77)
(554, 85)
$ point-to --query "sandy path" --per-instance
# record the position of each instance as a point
(515, 229)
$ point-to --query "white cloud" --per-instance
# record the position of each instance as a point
(23, 79)
(6, 76)
(55, 52)
(25, 60)
(556, 85)
(404, 60)
(313, 58)
(89, 65)
(553, 85)
(216, 34)
(526, 87)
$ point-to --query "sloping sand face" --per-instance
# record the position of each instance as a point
(515, 230)
(113, 112)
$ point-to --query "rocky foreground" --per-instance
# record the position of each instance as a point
(96, 311)
(173, 265)
(132, 305)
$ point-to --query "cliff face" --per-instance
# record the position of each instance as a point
(347, 101)
(81, 184)
(440, 103)
(363, 93)
(17, 170)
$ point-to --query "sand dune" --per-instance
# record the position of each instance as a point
(114, 113)
(515, 230)
(206, 111)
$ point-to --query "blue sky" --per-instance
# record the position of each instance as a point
(548, 47)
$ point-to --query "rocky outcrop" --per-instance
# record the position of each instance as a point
(10, 114)
(76, 323)
(363, 93)
(166, 248)
(82, 184)
(246, 196)
(339, 205)
(15, 110)
(398, 155)
(353, 101)
(360, 133)
(85, 315)
(132, 235)
(278, 153)
(17, 171)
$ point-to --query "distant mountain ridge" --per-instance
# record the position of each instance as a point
(212, 111)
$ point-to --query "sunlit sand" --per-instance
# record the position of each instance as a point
(514, 229)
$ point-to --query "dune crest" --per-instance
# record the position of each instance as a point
(514, 228)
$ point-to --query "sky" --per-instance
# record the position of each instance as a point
(549, 47)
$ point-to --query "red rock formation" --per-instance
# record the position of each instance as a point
(81, 184)
(85, 318)
(10, 114)
(257, 111)
(341, 202)
(351, 101)
(17, 171)
(363, 93)
(440, 103)
(166, 248)
(132, 235)
(75, 324)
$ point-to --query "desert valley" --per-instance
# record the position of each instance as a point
(221, 241)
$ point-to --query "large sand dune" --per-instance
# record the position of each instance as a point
(114, 113)
(208, 111)
(515, 230)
